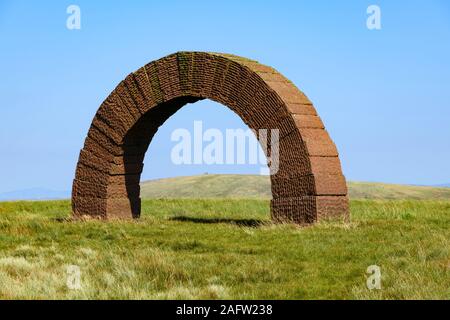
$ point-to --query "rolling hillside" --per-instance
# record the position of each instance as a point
(255, 186)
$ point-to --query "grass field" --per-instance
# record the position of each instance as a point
(258, 187)
(225, 249)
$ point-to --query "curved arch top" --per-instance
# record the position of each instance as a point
(308, 185)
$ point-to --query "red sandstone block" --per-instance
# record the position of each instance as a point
(272, 99)
(123, 208)
(230, 76)
(301, 210)
(127, 168)
(207, 74)
(257, 67)
(308, 121)
(288, 92)
(219, 76)
(138, 95)
(106, 165)
(199, 74)
(105, 141)
(332, 207)
(244, 107)
(90, 174)
(95, 190)
(321, 149)
(103, 126)
(122, 160)
(292, 155)
(295, 185)
(292, 186)
(232, 57)
(83, 188)
(315, 134)
(235, 82)
(251, 87)
(299, 108)
(107, 115)
(82, 206)
(258, 108)
(92, 160)
(142, 133)
(116, 114)
(318, 142)
(128, 179)
(108, 144)
(329, 165)
(120, 208)
(185, 70)
(143, 85)
(310, 209)
(151, 72)
(330, 184)
(168, 76)
(127, 99)
(282, 121)
(93, 147)
(260, 115)
(275, 77)
(172, 71)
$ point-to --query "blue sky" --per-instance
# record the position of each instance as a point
(384, 95)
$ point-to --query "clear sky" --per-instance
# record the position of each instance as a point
(384, 95)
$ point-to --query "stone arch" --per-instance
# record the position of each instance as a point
(309, 184)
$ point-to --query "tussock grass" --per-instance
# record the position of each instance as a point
(219, 249)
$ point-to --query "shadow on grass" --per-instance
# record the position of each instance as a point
(252, 223)
(62, 219)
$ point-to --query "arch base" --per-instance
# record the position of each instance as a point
(301, 210)
(309, 209)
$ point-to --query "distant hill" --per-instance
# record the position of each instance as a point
(256, 186)
(368, 190)
(208, 186)
(241, 186)
(444, 185)
(34, 194)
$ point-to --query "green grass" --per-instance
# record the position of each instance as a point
(218, 249)
(257, 187)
